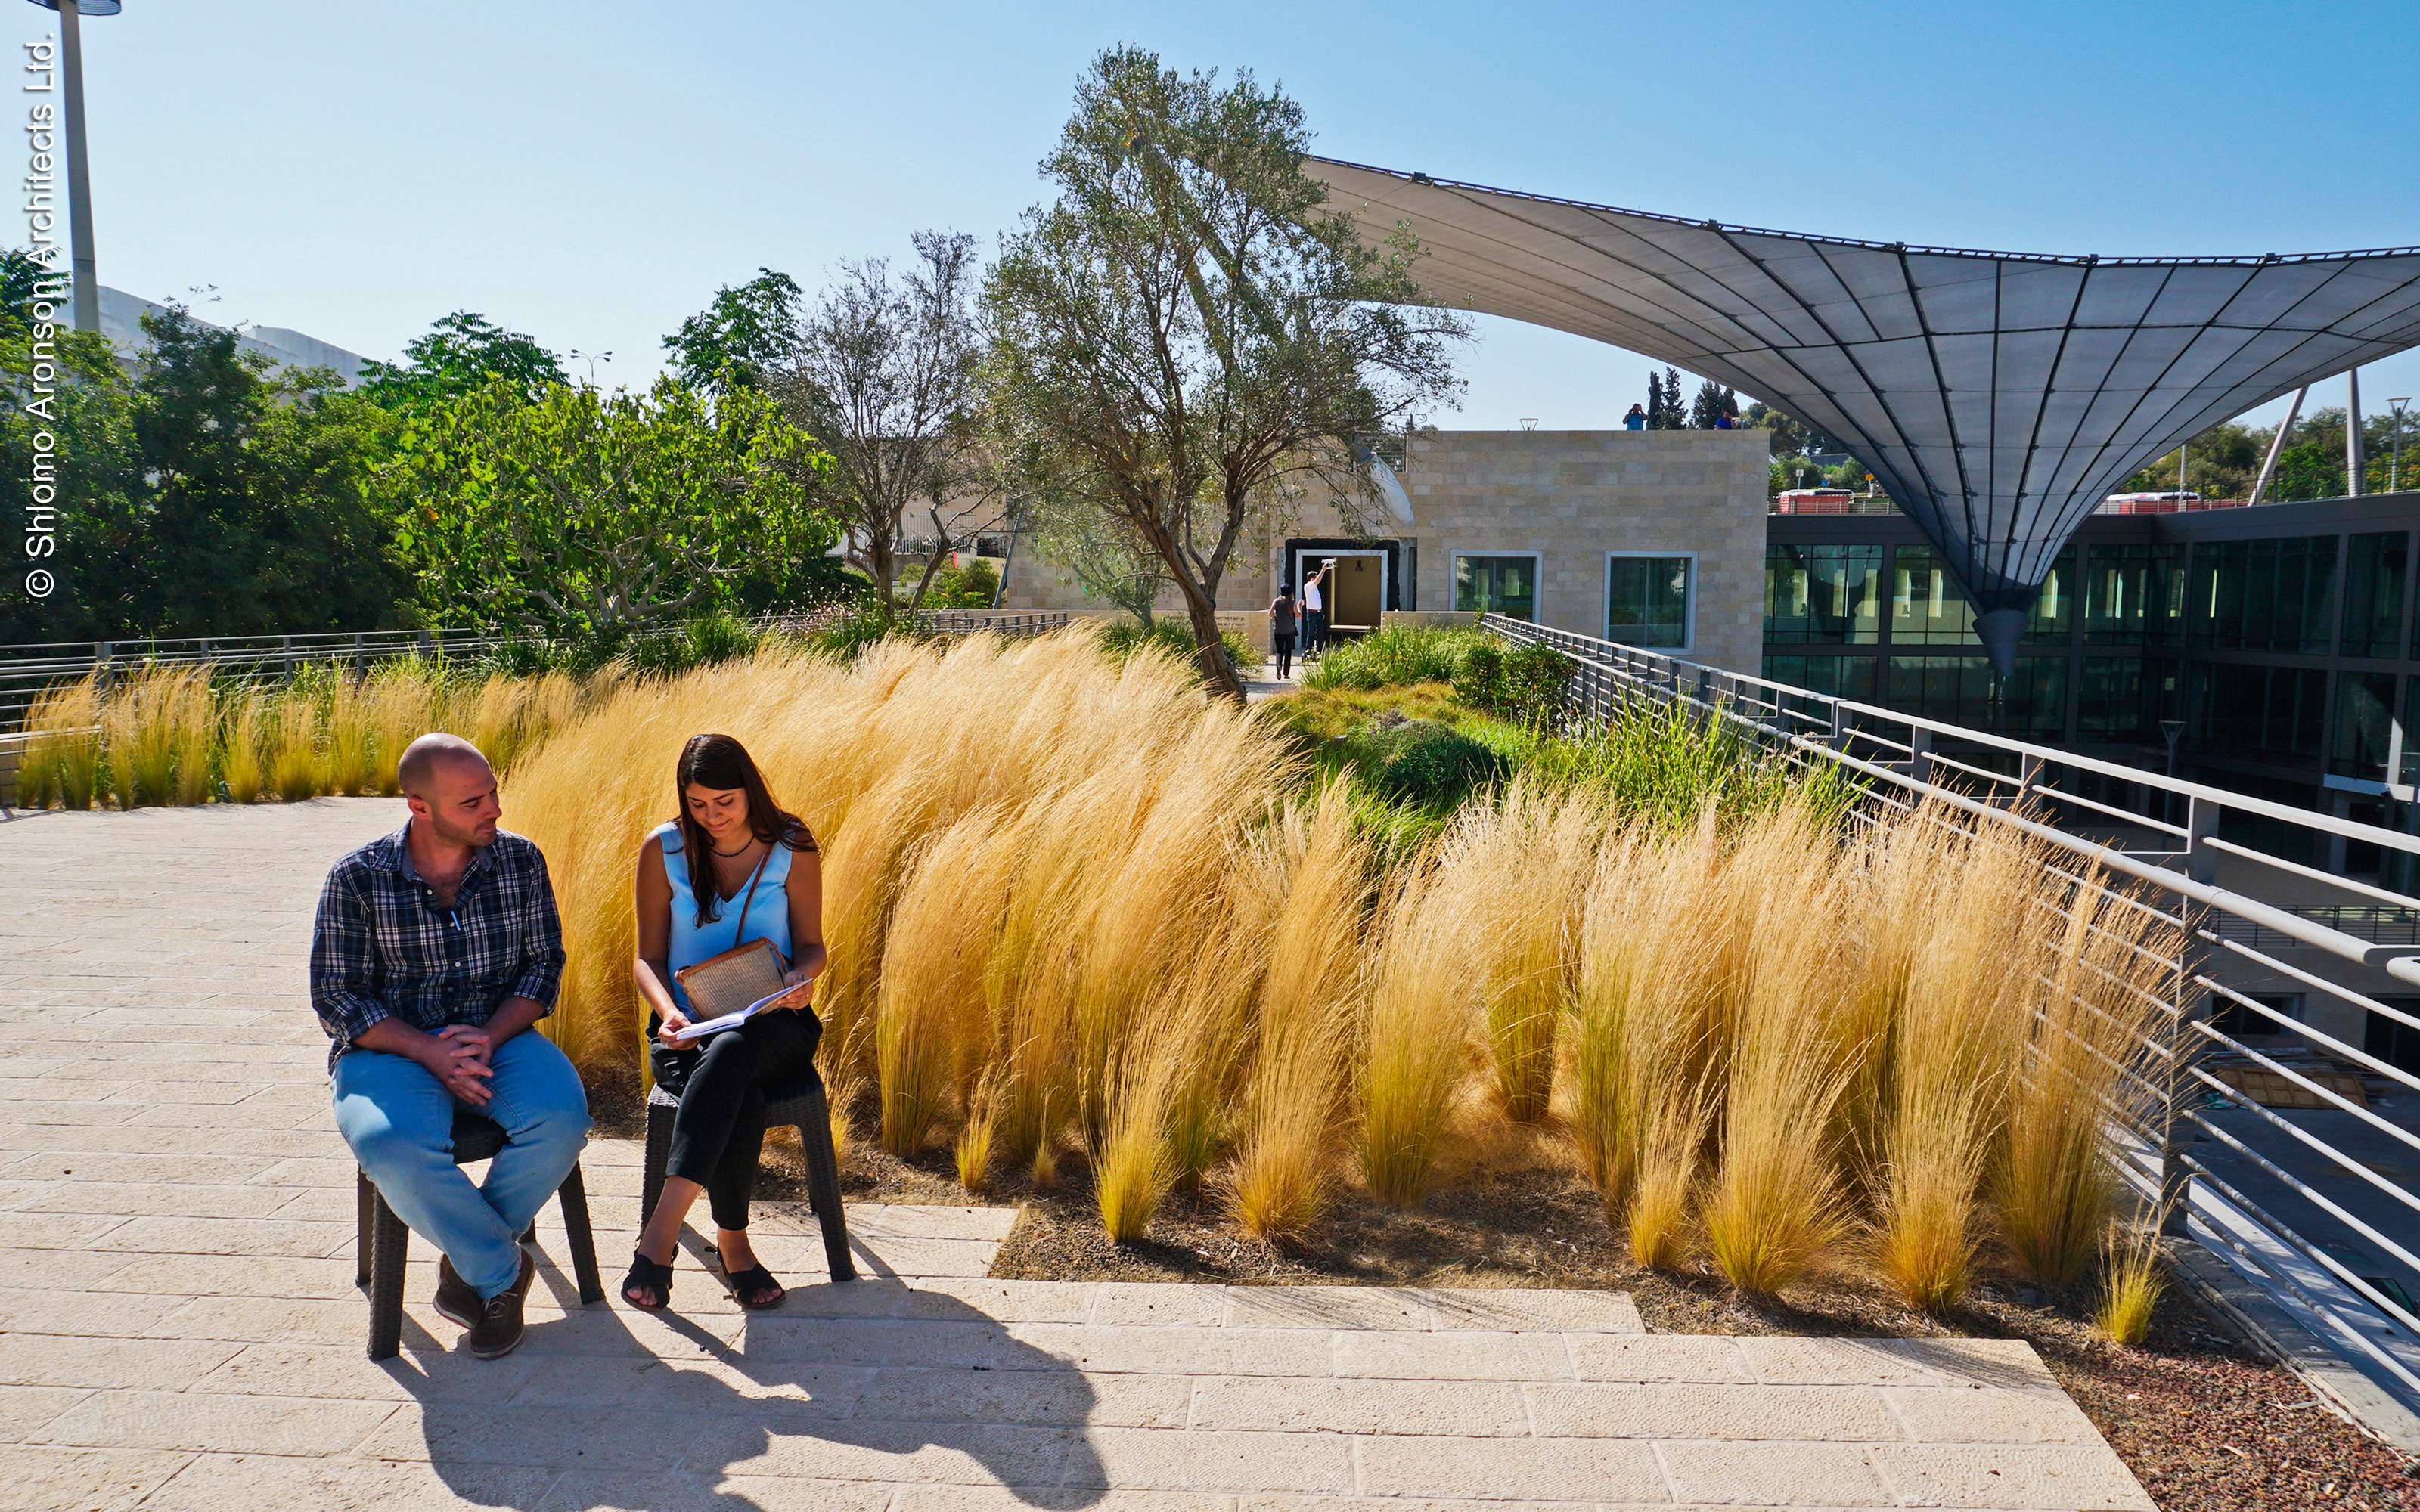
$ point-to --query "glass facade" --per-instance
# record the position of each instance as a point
(2373, 611)
(2053, 621)
(2133, 594)
(2364, 726)
(1842, 677)
(1926, 609)
(1959, 691)
(1823, 594)
(2109, 702)
(2262, 596)
(1496, 585)
(2270, 713)
(1647, 601)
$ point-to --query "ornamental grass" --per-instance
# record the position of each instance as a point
(1077, 910)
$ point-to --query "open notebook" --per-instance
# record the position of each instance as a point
(726, 989)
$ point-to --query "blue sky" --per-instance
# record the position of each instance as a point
(589, 173)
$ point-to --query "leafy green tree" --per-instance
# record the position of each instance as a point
(211, 495)
(1665, 409)
(1787, 434)
(976, 585)
(461, 353)
(1189, 332)
(1713, 400)
(587, 515)
(1099, 553)
(747, 334)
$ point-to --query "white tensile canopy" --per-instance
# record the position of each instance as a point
(1997, 396)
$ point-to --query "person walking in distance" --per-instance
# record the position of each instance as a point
(435, 950)
(1281, 631)
(1314, 609)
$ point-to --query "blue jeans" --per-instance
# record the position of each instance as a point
(1314, 630)
(399, 1120)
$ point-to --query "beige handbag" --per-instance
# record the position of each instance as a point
(742, 975)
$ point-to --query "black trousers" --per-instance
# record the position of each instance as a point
(1284, 644)
(719, 1133)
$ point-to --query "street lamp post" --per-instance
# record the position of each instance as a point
(87, 281)
(2395, 467)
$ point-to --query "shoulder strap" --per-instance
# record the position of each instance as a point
(753, 878)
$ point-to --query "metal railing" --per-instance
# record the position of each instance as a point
(2312, 1203)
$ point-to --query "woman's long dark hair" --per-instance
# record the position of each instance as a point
(721, 762)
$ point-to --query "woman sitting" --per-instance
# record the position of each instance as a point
(734, 868)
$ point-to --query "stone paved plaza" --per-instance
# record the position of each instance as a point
(179, 1329)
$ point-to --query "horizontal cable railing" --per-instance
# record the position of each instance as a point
(2286, 1142)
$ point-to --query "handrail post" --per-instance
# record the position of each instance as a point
(103, 672)
(2189, 1008)
(2029, 774)
(1919, 754)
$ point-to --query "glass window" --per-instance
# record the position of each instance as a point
(2053, 620)
(1647, 601)
(2031, 703)
(2373, 611)
(1840, 677)
(2128, 592)
(2410, 761)
(2393, 1040)
(2269, 712)
(2263, 595)
(2109, 699)
(1496, 585)
(2364, 725)
(1822, 594)
(1926, 609)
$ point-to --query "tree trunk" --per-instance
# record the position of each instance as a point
(1219, 674)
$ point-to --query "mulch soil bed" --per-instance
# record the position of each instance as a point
(2207, 1424)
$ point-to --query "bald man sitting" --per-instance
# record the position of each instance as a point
(436, 947)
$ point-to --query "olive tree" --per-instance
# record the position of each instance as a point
(1190, 333)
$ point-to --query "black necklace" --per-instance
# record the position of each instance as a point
(729, 855)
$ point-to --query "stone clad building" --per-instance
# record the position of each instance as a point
(1656, 538)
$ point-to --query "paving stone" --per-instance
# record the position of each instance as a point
(955, 1454)
(1049, 1499)
(1774, 1474)
(98, 1313)
(157, 1198)
(1609, 1469)
(1468, 1356)
(2001, 1362)
(1800, 1362)
(2085, 1479)
(209, 1421)
(73, 1359)
(229, 1275)
(1167, 1460)
(225, 1236)
(1327, 1307)
(451, 1434)
(697, 1386)
(1004, 1301)
(24, 1409)
(1158, 1304)
(1029, 1397)
(65, 1232)
(1511, 1310)
(38, 1480)
(1968, 1415)
(1158, 1350)
(52, 1269)
(1652, 1358)
(1850, 1415)
(925, 1221)
(249, 1482)
(1465, 1408)
(423, 1375)
(586, 1490)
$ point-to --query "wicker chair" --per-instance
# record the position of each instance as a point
(383, 1239)
(799, 1104)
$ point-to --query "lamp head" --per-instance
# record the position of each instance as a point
(85, 8)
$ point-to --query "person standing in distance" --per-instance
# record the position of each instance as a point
(1281, 623)
(435, 949)
(1314, 609)
(1635, 420)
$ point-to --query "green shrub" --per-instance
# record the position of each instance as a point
(707, 641)
(972, 586)
(1480, 680)
(1425, 761)
(1394, 657)
(1175, 638)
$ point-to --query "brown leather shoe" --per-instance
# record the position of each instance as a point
(454, 1301)
(498, 1331)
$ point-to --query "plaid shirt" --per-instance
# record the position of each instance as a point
(383, 949)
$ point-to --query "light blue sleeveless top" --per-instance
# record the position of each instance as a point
(768, 913)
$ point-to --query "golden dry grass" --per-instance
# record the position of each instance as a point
(2131, 1281)
(1075, 909)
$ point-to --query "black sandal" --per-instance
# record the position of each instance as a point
(745, 1284)
(648, 1275)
